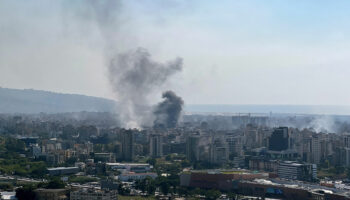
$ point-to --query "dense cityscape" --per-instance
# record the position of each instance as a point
(174, 100)
(238, 156)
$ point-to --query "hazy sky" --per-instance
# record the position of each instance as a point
(235, 52)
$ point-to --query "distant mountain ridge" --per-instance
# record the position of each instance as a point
(36, 101)
(29, 101)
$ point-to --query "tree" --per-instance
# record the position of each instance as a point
(152, 161)
(55, 184)
(183, 191)
(168, 158)
(38, 169)
(164, 187)
(26, 193)
(185, 163)
(14, 145)
(196, 191)
(6, 186)
(146, 185)
(151, 188)
(140, 185)
(212, 194)
(150, 185)
(232, 195)
(123, 190)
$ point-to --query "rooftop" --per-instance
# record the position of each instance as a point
(61, 168)
(130, 164)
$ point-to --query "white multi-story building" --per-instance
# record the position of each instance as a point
(296, 171)
(129, 167)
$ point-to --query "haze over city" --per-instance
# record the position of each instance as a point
(234, 52)
(174, 100)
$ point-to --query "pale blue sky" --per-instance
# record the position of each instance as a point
(235, 52)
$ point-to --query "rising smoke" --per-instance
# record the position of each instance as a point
(168, 111)
(133, 74)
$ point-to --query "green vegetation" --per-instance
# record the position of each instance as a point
(13, 163)
(212, 194)
(22, 167)
(146, 185)
(336, 172)
(12, 145)
(6, 186)
(55, 183)
(26, 193)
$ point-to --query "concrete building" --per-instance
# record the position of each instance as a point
(136, 176)
(296, 171)
(109, 185)
(261, 164)
(93, 194)
(192, 152)
(346, 144)
(8, 196)
(63, 171)
(279, 139)
(127, 145)
(251, 137)
(347, 156)
(316, 149)
(129, 167)
(52, 194)
(36, 150)
(219, 153)
(235, 145)
(241, 120)
(104, 157)
(156, 145)
(217, 179)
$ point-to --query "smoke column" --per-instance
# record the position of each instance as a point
(168, 111)
(133, 74)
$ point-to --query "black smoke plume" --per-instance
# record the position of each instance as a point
(134, 76)
(168, 111)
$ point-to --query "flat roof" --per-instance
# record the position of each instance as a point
(136, 174)
(60, 168)
(135, 164)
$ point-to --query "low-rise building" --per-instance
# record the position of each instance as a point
(109, 185)
(136, 176)
(8, 196)
(63, 170)
(93, 194)
(297, 171)
(261, 164)
(52, 194)
(129, 167)
(217, 179)
(104, 157)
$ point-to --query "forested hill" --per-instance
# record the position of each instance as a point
(36, 101)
